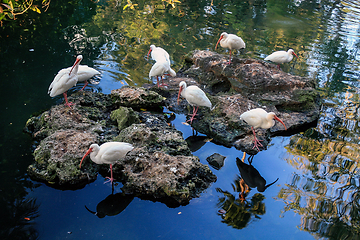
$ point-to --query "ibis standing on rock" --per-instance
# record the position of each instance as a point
(159, 69)
(259, 118)
(65, 80)
(230, 41)
(84, 73)
(194, 96)
(108, 153)
(281, 57)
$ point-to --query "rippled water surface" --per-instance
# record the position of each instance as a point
(316, 196)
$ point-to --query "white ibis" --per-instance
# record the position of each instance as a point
(84, 73)
(65, 80)
(108, 153)
(230, 41)
(259, 118)
(194, 96)
(280, 57)
(158, 54)
(159, 69)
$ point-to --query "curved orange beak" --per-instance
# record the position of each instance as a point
(148, 54)
(76, 62)
(218, 41)
(179, 94)
(278, 119)
(87, 153)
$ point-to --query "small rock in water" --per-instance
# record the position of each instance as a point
(216, 161)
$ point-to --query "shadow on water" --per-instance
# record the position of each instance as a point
(112, 205)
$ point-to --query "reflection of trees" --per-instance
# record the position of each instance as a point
(327, 194)
(238, 212)
(325, 191)
(178, 30)
(17, 219)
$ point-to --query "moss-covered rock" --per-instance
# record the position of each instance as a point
(161, 157)
(124, 117)
(58, 156)
(129, 96)
(243, 85)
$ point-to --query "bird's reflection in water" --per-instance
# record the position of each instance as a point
(237, 212)
(196, 142)
(251, 176)
(112, 205)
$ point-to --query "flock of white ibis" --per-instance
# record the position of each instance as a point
(110, 152)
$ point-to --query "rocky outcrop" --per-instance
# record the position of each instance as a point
(243, 85)
(160, 167)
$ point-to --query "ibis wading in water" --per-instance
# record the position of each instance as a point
(159, 69)
(65, 80)
(108, 153)
(259, 118)
(281, 57)
(230, 41)
(194, 96)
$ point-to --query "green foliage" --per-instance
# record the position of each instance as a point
(10, 8)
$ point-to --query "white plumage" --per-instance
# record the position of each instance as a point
(64, 80)
(259, 118)
(280, 57)
(194, 96)
(85, 73)
(158, 54)
(230, 41)
(159, 69)
(108, 153)
(162, 65)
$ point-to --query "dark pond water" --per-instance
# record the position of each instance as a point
(317, 194)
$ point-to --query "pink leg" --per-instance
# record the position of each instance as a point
(163, 84)
(86, 83)
(229, 58)
(67, 103)
(256, 141)
(111, 179)
(193, 115)
(157, 81)
(279, 66)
